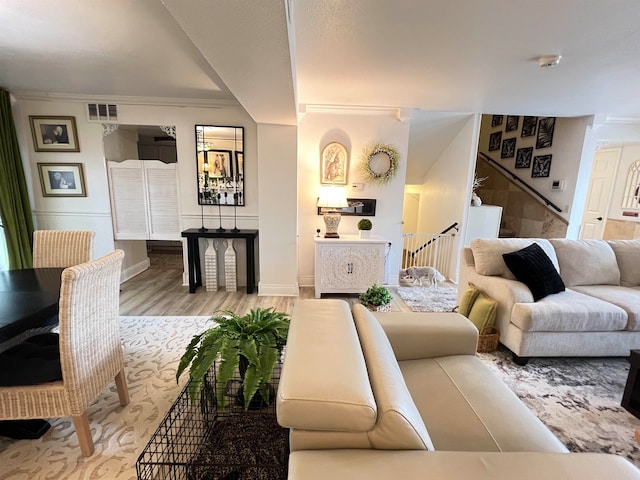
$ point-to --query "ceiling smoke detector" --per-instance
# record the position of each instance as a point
(549, 60)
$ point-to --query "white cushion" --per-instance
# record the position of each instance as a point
(586, 262)
(628, 257)
(487, 253)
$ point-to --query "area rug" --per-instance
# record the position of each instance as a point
(153, 346)
(577, 398)
(429, 299)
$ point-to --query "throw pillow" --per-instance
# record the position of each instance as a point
(534, 268)
(483, 312)
(466, 302)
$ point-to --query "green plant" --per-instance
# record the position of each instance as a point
(376, 296)
(365, 224)
(251, 343)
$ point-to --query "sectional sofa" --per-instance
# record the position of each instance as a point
(598, 313)
(402, 395)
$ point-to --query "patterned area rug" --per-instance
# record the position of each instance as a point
(429, 299)
(577, 398)
(153, 346)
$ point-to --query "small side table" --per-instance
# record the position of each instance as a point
(631, 395)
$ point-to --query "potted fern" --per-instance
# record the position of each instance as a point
(364, 228)
(251, 343)
(376, 298)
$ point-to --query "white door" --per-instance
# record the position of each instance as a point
(605, 164)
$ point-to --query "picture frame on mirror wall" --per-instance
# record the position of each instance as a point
(62, 179)
(54, 133)
(334, 164)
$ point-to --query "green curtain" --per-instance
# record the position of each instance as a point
(14, 197)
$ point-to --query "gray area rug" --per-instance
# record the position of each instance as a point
(429, 299)
(577, 398)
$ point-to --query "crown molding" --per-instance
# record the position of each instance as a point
(125, 100)
(399, 113)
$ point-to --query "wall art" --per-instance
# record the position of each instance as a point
(508, 148)
(379, 163)
(541, 166)
(523, 157)
(496, 120)
(495, 140)
(545, 132)
(361, 207)
(54, 134)
(62, 179)
(529, 126)
(512, 123)
(334, 164)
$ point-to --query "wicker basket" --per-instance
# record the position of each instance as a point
(488, 340)
(379, 308)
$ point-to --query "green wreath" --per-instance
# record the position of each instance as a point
(381, 178)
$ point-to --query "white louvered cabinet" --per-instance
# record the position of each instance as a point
(348, 264)
(144, 200)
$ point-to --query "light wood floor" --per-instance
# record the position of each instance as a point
(158, 291)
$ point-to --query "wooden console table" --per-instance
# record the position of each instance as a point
(193, 253)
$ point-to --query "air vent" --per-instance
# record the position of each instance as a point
(102, 112)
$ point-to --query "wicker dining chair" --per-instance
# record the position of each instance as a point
(61, 248)
(91, 353)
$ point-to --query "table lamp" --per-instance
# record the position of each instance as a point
(332, 198)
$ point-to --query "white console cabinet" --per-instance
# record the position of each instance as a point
(348, 264)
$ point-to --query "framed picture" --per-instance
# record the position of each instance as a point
(219, 162)
(523, 157)
(512, 123)
(541, 166)
(495, 139)
(54, 134)
(334, 164)
(62, 179)
(240, 164)
(545, 132)
(508, 148)
(529, 126)
(496, 120)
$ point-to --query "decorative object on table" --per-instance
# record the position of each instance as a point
(495, 140)
(251, 343)
(202, 228)
(332, 199)
(508, 148)
(364, 228)
(376, 298)
(545, 132)
(235, 228)
(379, 163)
(529, 126)
(220, 164)
(358, 207)
(523, 157)
(54, 134)
(541, 166)
(62, 179)
(230, 275)
(476, 201)
(512, 123)
(219, 229)
(334, 164)
(211, 266)
(496, 120)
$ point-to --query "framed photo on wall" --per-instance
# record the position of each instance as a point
(523, 157)
(334, 164)
(62, 179)
(545, 132)
(219, 162)
(495, 140)
(54, 134)
(529, 126)
(512, 123)
(508, 148)
(541, 166)
(496, 120)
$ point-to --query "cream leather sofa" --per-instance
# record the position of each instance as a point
(402, 395)
(597, 315)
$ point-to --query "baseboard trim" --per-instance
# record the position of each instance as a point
(134, 270)
(278, 290)
(307, 281)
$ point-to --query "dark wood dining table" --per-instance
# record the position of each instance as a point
(28, 299)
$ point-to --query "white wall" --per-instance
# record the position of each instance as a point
(355, 132)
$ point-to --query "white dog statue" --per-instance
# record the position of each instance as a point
(432, 275)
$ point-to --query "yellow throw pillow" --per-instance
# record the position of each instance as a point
(483, 312)
(466, 302)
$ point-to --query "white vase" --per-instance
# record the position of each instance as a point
(365, 233)
(476, 201)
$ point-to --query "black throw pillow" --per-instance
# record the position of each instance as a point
(535, 269)
(34, 361)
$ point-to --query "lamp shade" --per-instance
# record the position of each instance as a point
(332, 197)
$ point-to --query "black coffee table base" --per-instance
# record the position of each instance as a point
(24, 429)
(631, 395)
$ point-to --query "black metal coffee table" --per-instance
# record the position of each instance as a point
(631, 395)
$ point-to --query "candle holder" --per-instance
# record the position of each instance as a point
(235, 228)
(220, 229)
(202, 228)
